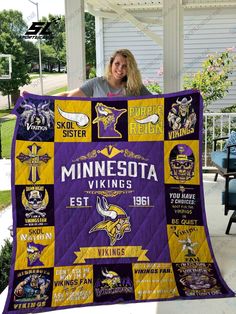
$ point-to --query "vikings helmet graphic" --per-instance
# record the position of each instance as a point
(115, 222)
(181, 162)
(112, 279)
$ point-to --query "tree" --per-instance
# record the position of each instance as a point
(5, 262)
(12, 22)
(49, 58)
(213, 80)
(90, 39)
(12, 27)
(58, 43)
(57, 39)
(31, 54)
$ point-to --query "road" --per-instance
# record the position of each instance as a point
(50, 82)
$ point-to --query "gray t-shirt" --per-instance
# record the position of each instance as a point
(99, 87)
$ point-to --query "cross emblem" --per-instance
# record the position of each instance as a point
(34, 161)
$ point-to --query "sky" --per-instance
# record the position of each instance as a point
(28, 9)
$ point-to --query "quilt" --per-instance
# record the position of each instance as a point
(108, 203)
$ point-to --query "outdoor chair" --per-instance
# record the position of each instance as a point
(224, 160)
(229, 198)
(225, 163)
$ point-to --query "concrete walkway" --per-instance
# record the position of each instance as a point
(6, 214)
(5, 223)
(50, 83)
(5, 171)
(8, 117)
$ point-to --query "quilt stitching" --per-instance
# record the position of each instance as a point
(116, 213)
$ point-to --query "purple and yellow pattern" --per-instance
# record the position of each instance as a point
(108, 203)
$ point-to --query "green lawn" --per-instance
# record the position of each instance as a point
(7, 130)
(36, 75)
(58, 90)
(5, 112)
(7, 127)
(5, 199)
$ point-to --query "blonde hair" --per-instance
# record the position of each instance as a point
(134, 80)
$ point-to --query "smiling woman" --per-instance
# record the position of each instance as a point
(122, 78)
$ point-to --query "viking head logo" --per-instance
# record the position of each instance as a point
(107, 118)
(115, 222)
(182, 163)
(184, 105)
(112, 279)
(34, 251)
(181, 115)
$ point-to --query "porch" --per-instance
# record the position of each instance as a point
(176, 33)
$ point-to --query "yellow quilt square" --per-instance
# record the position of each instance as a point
(154, 281)
(146, 120)
(188, 244)
(72, 285)
(34, 162)
(73, 121)
(35, 247)
(181, 162)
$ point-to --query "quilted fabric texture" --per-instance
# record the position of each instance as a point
(231, 141)
(108, 203)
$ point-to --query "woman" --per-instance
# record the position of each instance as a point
(122, 78)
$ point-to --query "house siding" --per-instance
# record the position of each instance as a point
(205, 31)
(120, 34)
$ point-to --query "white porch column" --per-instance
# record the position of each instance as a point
(173, 45)
(75, 42)
(99, 46)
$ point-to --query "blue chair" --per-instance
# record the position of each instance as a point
(229, 198)
(224, 161)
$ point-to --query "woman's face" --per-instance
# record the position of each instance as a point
(119, 67)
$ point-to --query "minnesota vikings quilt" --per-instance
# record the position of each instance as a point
(108, 203)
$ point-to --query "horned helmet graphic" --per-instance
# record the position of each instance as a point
(184, 106)
(112, 279)
(115, 220)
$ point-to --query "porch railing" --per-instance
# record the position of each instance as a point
(215, 125)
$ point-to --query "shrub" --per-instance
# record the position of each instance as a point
(5, 262)
(153, 86)
(92, 72)
(213, 80)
